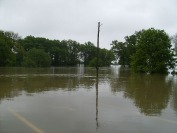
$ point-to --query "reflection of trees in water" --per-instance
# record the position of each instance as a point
(119, 79)
(150, 92)
(13, 86)
(35, 80)
(7, 89)
(174, 96)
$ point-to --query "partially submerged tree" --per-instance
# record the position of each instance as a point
(8, 48)
(148, 51)
(104, 59)
(125, 50)
(36, 58)
(153, 52)
(120, 51)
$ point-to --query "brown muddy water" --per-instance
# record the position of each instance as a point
(73, 100)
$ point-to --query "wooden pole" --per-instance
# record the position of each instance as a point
(97, 68)
(97, 63)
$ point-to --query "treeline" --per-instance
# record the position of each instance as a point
(147, 51)
(42, 52)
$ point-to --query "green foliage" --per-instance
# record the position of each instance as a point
(153, 52)
(88, 52)
(36, 58)
(65, 52)
(72, 53)
(147, 51)
(131, 42)
(93, 63)
(120, 50)
(125, 50)
(41, 52)
(8, 40)
(105, 58)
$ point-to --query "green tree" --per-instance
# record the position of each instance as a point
(8, 41)
(131, 42)
(105, 58)
(120, 51)
(19, 52)
(15, 51)
(72, 53)
(125, 50)
(36, 58)
(153, 52)
(58, 53)
(87, 52)
(31, 42)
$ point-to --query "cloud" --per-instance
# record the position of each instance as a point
(77, 19)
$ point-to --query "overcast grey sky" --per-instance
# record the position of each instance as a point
(77, 19)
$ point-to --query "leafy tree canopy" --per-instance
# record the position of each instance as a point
(36, 58)
(153, 52)
(8, 47)
(41, 52)
(148, 51)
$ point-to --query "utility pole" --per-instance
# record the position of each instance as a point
(97, 67)
(97, 63)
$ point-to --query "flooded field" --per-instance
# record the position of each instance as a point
(74, 100)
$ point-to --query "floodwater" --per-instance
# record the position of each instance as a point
(74, 100)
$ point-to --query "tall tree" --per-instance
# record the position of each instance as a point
(15, 51)
(125, 50)
(8, 42)
(37, 58)
(88, 52)
(153, 52)
(73, 50)
(131, 42)
(120, 51)
(104, 59)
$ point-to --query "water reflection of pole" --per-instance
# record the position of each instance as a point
(97, 68)
(97, 102)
